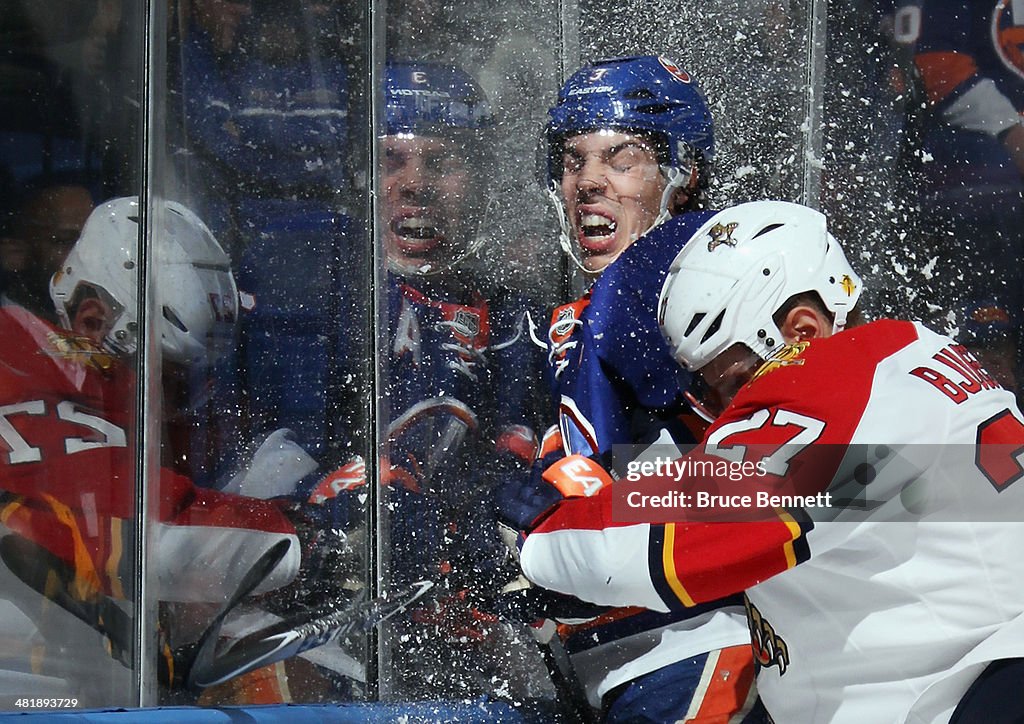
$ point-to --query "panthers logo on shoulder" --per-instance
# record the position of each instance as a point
(80, 350)
(769, 648)
(785, 357)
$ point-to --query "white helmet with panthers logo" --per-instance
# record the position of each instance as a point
(740, 268)
(197, 297)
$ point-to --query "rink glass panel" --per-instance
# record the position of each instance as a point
(70, 137)
(468, 259)
(266, 119)
(265, 136)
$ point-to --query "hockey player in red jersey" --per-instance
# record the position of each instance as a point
(899, 599)
(68, 455)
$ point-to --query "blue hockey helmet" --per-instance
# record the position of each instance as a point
(424, 98)
(643, 94)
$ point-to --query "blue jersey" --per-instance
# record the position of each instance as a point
(616, 383)
(301, 364)
(969, 57)
(614, 377)
(276, 127)
(968, 54)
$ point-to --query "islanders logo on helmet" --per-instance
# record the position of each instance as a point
(424, 98)
(637, 94)
(675, 71)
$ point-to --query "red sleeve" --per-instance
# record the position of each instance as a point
(185, 504)
(799, 415)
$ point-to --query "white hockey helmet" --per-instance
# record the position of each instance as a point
(198, 299)
(739, 269)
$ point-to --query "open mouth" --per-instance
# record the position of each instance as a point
(416, 234)
(596, 230)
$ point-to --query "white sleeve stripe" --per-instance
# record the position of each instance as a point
(982, 108)
(608, 567)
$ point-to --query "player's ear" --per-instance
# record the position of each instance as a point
(804, 322)
(91, 320)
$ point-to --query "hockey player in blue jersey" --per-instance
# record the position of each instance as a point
(264, 135)
(630, 144)
(442, 358)
(968, 57)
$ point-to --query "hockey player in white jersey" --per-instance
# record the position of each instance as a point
(900, 601)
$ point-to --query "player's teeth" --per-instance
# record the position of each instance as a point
(596, 225)
(417, 227)
(597, 220)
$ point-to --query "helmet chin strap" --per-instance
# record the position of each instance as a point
(563, 235)
(674, 180)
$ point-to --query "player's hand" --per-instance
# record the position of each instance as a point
(527, 499)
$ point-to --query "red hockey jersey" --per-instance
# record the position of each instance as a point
(880, 605)
(67, 472)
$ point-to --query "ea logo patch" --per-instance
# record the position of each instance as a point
(674, 70)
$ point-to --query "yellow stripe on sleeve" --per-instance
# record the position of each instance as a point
(669, 564)
(114, 560)
(794, 532)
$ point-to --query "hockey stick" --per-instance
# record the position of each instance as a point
(55, 580)
(286, 639)
(564, 679)
(200, 654)
(200, 665)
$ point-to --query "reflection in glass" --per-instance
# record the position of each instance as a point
(455, 392)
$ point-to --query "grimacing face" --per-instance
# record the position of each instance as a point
(426, 183)
(612, 188)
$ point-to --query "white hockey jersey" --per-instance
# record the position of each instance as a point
(883, 605)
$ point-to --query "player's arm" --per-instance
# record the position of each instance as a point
(577, 547)
(954, 86)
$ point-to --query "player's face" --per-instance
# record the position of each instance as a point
(93, 319)
(718, 381)
(612, 187)
(426, 187)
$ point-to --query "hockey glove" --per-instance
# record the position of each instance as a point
(331, 560)
(528, 498)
